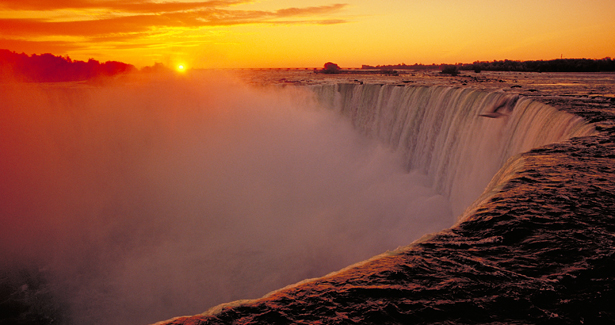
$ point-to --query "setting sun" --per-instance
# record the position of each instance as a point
(181, 68)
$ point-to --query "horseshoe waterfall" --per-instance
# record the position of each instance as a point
(448, 133)
(534, 245)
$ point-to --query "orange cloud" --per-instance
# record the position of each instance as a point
(153, 15)
(96, 27)
(35, 46)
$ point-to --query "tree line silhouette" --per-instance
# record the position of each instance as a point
(50, 68)
(558, 65)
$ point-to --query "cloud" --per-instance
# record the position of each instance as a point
(117, 25)
(310, 10)
(30, 46)
(145, 22)
(124, 6)
(132, 21)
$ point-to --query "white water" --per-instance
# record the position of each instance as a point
(150, 199)
(440, 130)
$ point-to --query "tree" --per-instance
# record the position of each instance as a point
(331, 67)
(450, 69)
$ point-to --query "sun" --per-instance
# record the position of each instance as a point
(181, 68)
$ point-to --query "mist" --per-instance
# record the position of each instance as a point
(144, 198)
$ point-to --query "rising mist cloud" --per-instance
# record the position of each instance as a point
(148, 199)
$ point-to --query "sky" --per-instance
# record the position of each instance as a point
(306, 34)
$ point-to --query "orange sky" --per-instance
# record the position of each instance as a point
(301, 33)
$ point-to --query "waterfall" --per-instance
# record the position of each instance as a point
(139, 201)
(459, 137)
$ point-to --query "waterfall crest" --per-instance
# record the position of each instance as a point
(459, 137)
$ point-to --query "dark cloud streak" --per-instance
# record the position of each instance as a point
(310, 10)
(124, 6)
(29, 46)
